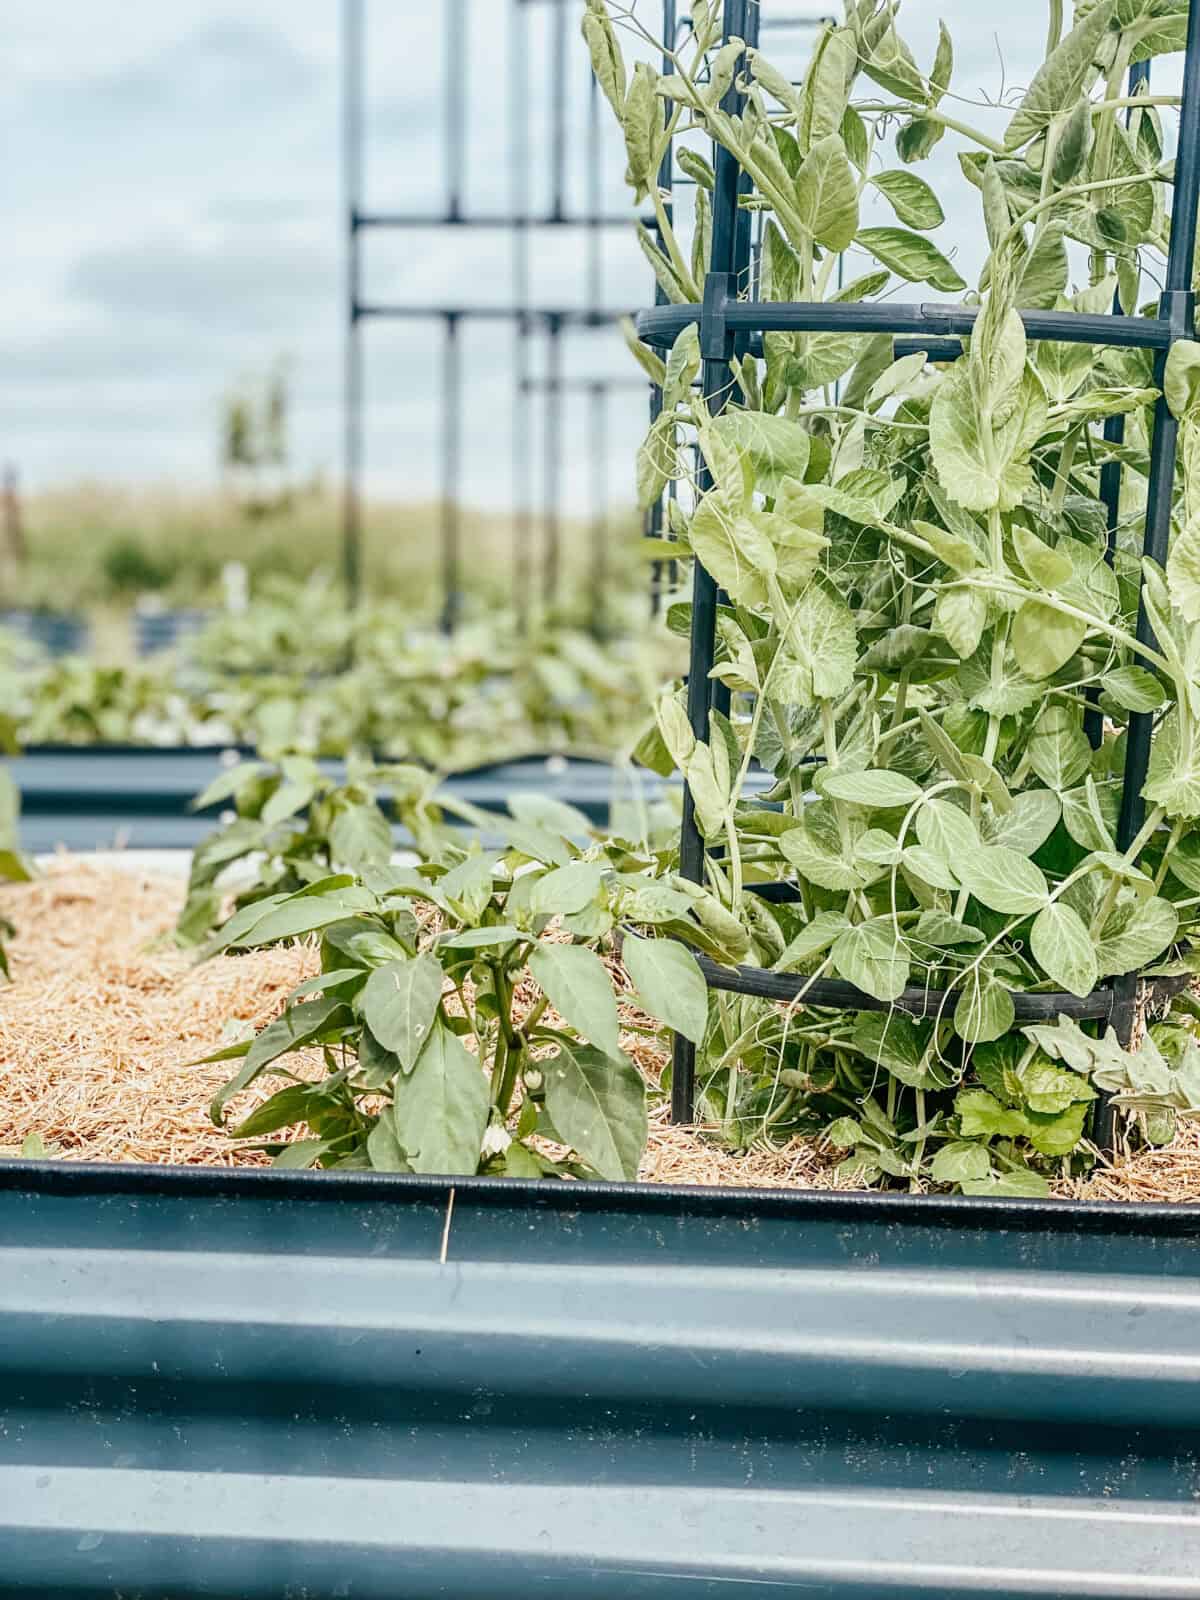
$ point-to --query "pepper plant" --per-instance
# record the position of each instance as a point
(455, 1036)
(924, 641)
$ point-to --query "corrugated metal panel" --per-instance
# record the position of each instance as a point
(268, 1385)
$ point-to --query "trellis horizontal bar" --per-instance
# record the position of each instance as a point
(581, 385)
(450, 219)
(662, 325)
(577, 316)
(791, 988)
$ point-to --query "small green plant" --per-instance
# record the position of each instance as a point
(14, 867)
(455, 1036)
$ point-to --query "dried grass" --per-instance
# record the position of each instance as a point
(104, 1015)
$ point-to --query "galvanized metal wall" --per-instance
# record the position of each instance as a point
(264, 1385)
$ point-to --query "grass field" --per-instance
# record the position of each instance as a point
(95, 546)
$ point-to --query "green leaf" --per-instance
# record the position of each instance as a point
(1181, 378)
(960, 1160)
(440, 1111)
(898, 1044)
(1058, 1136)
(1033, 818)
(298, 1027)
(1043, 639)
(874, 957)
(959, 554)
(1044, 566)
(1183, 570)
(567, 889)
(813, 939)
(607, 61)
(1066, 73)
(911, 256)
(1002, 880)
(827, 194)
(733, 548)
(1049, 1090)
(981, 1116)
(669, 984)
(227, 784)
(878, 790)
(985, 1009)
(290, 919)
(819, 647)
(579, 989)
(817, 864)
(359, 836)
(961, 615)
(383, 1148)
(481, 938)
(1136, 934)
(1058, 750)
(978, 469)
(283, 1110)
(1063, 948)
(946, 829)
(776, 447)
(911, 198)
(1134, 688)
(400, 1002)
(597, 1104)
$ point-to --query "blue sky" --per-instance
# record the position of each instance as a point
(172, 209)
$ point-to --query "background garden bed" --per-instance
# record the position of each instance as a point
(105, 1015)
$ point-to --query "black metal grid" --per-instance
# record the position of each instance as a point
(529, 322)
(729, 327)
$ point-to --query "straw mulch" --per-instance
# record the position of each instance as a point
(104, 1016)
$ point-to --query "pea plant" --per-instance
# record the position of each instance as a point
(925, 644)
(452, 1035)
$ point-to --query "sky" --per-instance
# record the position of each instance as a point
(173, 225)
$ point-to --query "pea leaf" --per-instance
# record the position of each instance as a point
(1136, 934)
(1064, 75)
(400, 1002)
(1002, 879)
(873, 956)
(580, 990)
(911, 256)
(1134, 688)
(597, 1104)
(879, 789)
(911, 198)
(1063, 948)
(827, 194)
(985, 1008)
(1043, 639)
(776, 447)
(440, 1110)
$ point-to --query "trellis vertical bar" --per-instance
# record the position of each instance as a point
(522, 423)
(655, 519)
(598, 552)
(454, 105)
(1176, 306)
(1110, 472)
(558, 92)
(728, 263)
(352, 399)
(552, 462)
(451, 472)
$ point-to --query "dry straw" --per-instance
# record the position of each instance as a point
(104, 1015)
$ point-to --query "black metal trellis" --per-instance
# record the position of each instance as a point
(729, 326)
(528, 321)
